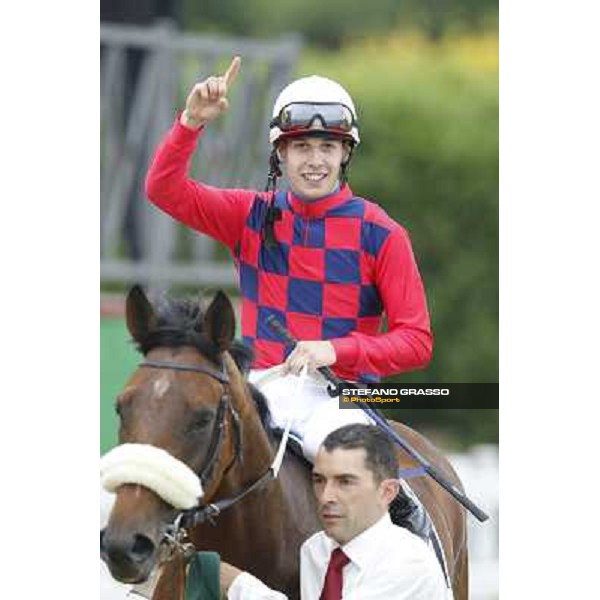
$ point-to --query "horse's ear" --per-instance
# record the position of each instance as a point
(219, 321)
(139, 313)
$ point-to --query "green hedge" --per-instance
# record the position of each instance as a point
(429, 155)
(118, 359)
(331, 24)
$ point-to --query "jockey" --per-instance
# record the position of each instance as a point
(325, 262)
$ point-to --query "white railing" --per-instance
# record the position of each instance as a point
(479, 473)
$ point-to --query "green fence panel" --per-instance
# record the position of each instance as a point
(118, 359)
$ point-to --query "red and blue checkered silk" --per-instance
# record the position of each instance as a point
(338, 264)
(318, 281)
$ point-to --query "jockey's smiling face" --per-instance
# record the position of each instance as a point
(349, 497)
(312, 164)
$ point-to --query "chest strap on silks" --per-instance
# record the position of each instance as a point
(411, 473)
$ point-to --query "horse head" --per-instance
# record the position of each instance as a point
(179, 427)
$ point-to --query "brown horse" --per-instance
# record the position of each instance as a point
(189, 397)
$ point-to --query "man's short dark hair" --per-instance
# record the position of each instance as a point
(381, 457)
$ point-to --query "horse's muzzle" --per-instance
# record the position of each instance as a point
(130, 559)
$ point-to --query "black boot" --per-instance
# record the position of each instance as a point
(406, 513)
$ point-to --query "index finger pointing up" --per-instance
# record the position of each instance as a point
(232, 71)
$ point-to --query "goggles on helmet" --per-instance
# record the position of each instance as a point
(301, 115)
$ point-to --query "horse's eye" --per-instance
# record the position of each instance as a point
(201, 419)
(118, 409)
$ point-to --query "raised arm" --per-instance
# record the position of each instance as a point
(208, 99)
(220, 213)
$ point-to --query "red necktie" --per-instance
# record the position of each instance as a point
(332, 588)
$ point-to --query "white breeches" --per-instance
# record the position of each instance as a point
(314, 413)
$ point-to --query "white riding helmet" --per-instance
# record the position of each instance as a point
(316, 99)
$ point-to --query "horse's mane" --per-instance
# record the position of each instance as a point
(179, 323)
(262, 408)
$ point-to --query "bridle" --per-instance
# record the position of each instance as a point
(176, 534)
(224, 407)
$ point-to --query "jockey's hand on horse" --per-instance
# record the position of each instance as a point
(208, 99)
(314, 354)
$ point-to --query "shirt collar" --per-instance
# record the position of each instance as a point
(360, 549)
(317, 208)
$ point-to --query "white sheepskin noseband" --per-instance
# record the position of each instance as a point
(153, 468)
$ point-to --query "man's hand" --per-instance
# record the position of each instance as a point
(227, 574)
(312, 354)
(208, 100)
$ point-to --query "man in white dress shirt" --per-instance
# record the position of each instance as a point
(360, 554)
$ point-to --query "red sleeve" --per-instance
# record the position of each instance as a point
(408, 343)
(220, 213)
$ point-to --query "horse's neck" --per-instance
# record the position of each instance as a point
(257, 451)
(276, 517)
